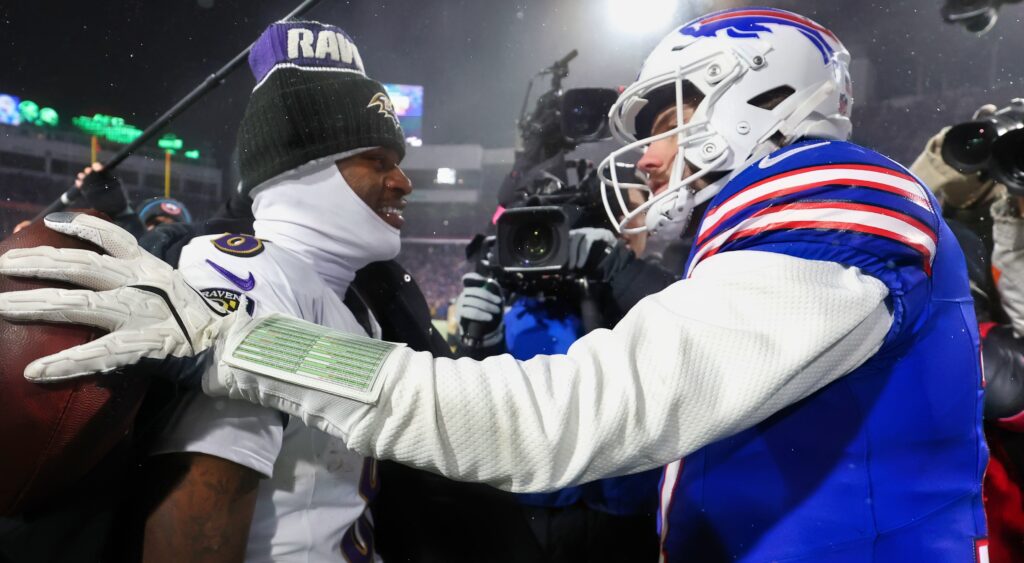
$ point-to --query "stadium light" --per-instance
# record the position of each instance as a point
(641, 16)
(48, 116)
(111, 127)
(29, 111)
(9, 114)
(170, 142)
(445, 176)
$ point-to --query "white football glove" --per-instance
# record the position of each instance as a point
(480, 310)
(149, 310)
(583, 241)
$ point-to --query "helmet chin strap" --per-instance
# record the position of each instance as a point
(672, 217)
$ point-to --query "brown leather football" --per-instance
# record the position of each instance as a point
(51, 435)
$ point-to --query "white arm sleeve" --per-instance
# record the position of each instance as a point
(748, 334)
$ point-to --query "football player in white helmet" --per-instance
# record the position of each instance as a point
(738, 95)
(817, 366)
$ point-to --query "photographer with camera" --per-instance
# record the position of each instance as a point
(975, 171)
(606, 520)
(555, 271)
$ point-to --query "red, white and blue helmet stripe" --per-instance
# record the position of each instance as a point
(750, 23)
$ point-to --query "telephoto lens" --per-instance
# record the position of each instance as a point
(968, 146)
(1008, 161)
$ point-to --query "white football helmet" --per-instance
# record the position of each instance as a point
(764, 78)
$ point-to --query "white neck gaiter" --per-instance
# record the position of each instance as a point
(313, 212)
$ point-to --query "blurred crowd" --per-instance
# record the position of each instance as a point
(438, 269)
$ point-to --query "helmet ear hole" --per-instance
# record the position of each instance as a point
(769, 99)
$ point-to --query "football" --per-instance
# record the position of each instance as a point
(53, 434)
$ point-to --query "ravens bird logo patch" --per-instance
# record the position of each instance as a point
(382, 102)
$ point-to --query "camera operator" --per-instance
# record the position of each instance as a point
(985, 216)
(554, 272)
(606, 520)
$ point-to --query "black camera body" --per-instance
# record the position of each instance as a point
(545, 195)
(529, 252)
(993, 146)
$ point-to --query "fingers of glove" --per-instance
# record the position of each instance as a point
(581, 241)
(602, 235)
(577, 249)
(985, 111)
(80, 267)
(470, 311)
(77, 306)
(107, 353)
(116, 241)
(482, 298)
(473, 279)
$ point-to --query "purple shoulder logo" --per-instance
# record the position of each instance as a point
(238, 245)
(747, 24)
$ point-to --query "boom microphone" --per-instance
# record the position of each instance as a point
(211, 82)
(564, 61)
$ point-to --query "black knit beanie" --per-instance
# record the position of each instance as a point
(312, 99)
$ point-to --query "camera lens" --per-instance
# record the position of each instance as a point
(1008, 161)
(532, 242)
(967, 147)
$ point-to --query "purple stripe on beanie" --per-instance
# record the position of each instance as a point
(311, 45)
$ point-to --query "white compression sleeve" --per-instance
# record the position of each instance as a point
(747, 335)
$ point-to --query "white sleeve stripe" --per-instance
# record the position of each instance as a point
(668, 489)
(804, 179)
(868, 222)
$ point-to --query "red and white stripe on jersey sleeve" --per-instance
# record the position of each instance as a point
(830, 215)
(871, 177)
(669, 483)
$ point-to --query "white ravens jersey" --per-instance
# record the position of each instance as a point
(312, 505)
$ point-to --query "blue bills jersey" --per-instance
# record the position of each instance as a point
(886, 463)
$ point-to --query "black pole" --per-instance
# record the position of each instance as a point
(207, 85)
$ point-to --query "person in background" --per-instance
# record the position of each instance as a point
(986, 219)
(610, 519)
(103, 192)
(163, 210)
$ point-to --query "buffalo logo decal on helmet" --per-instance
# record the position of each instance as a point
(382, 102)
(742, 24)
